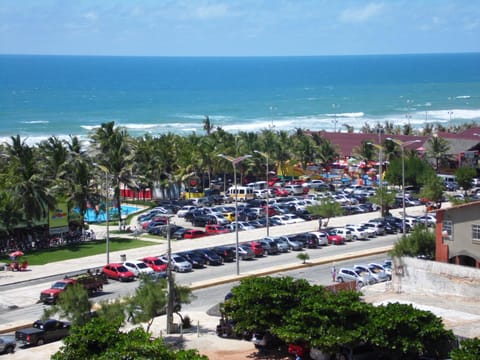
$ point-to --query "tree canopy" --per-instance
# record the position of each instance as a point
(296, 311)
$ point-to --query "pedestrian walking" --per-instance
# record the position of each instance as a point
(334, 273)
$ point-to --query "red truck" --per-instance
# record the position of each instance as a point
(90, 282)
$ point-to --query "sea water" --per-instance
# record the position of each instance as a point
(41, 96)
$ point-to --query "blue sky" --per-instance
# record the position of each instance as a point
(238, 27)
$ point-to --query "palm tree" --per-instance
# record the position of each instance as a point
(207, 125)
(78, 178)
(438, 148)
(26, 182)
(114, 150)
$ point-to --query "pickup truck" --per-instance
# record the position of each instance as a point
(91, 282)
(42, 332)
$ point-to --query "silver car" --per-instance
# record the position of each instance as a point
(379, 276)
(349, 274)
(179, 263)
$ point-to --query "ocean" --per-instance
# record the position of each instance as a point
(41, 96)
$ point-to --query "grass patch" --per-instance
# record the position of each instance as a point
(73, 251)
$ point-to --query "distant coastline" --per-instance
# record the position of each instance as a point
(62, 95)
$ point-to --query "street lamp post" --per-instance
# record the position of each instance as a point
(107, 215)
(380, 171)
(234, 162)
(170, 284)
(402, 146)
(268, 190)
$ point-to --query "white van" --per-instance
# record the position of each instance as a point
(241, 192)
(258, 185)
(448, 178)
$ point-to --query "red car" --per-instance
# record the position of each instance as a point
(155, 263)
(335, 239)
(280, 192)
(193, 234)
(257, 248)
(214, 229)
(118, 272)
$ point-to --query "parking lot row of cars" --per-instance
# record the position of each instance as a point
(199, 258)
(365, 274)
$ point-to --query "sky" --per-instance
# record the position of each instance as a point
(238, 27)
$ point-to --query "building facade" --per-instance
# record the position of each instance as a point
(458, 235)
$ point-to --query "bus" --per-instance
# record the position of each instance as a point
(242, 192)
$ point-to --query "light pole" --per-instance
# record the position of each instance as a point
(107, 216)
(380, 171)
(234, 162)
(402, 146)
(268, 189)
(170, 284)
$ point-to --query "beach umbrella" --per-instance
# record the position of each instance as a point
(16, 254)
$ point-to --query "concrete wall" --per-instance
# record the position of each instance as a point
(416, 276)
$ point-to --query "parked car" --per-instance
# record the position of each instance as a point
(345, 233)
(155, 263)
(210, 257)
(357, 233)
(281, 243)
(138, 267)
(184, 210)
(118, 271)
(378, 275)
(334, 238)
(43, 331)
(308, 240)
(193, 258)
(378, 227)
(178, 263)
(348, 274)
(257, 248)
(294, 189)
(194, 234)
(375, 267)
(7, 344)
(178, 234)
(269, 247)
(214, 229)
(292, 243)
(245, 252)
(242, 226)
(226, 252)
(322, 238)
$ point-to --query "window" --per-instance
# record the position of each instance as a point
(476, 232)
(447, 229)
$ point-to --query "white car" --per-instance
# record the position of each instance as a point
(345, 233)
(184, 210)
(369, 232)
(242, 226)
(292, 218)
(322, 239)
(357, 234)
(138, 267)
(178, 263)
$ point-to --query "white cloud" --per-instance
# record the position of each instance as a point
(357, 15)
(90, 16)
(211, 11)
